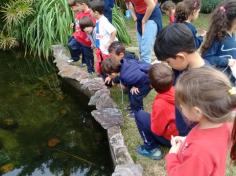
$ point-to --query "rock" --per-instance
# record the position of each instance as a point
(93, 100)
(128, 170)
(108, 117)
(90, 86)
(105, 101)
(67, 71)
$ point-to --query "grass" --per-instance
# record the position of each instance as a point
(129, 129)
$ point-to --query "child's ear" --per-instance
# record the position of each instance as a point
(198, 112)
(122, 55)
(180, 56)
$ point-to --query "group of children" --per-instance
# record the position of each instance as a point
(195, 104)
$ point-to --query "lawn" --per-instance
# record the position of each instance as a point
(129, 129)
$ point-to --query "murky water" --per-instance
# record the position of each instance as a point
(44, 131)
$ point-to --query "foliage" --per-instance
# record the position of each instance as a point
(48, 24)
(209, 5)
(119, 23)
(7, 42)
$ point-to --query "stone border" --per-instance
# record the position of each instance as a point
(106, 114)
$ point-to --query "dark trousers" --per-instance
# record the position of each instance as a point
(136, 101)
(75, 49)
(151, 140)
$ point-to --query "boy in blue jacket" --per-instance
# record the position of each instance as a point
(133, 75)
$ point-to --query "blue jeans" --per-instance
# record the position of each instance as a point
(151, 140)
(147, 40)
(87, 52)
(75, 49)
(136, 100)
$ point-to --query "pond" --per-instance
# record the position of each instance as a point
(43, 130)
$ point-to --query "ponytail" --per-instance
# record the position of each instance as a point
(233, 149)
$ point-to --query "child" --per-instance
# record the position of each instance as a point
(148, 18)
(133, 75)
(83, 43)
(158, 127)
(186, 12)
(205, 96)
(74, 47)
(105, 33)
(219, 49)
(108, 5)
(175, 45)
(168, 7)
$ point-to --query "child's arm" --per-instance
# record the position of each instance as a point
(131, 8)
(112, 38)
(150, 7)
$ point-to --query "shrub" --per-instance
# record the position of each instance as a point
(209, 5)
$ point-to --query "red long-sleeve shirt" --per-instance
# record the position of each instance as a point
(163, 115)
(203, 153)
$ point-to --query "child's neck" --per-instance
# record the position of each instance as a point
(204, 123)
(195, 60)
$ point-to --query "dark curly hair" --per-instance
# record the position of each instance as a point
(221, 22)
(185, 8)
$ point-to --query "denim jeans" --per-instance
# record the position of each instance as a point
(87, 52)
(151, 140)
(147, 40)
(75, 49)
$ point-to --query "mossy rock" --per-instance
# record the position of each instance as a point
(8, 123)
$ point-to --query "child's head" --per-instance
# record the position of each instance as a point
(168, 7)
(161, 77)
(116, 50)
(223, 20)
(86, 24)
(206, 94)
(110, 66)
(173, 45)
(73, 5)
(187, 10)
(97, 7)
(82, 4)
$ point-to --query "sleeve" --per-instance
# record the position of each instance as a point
(193, 164)
(157, 121)
(214, 58)
(198, 41)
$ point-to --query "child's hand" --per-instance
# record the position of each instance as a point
(176, 142)
(231, 62)
(134, 90)
(202, 32)
(92, 46)
(107, 80)
(72, 25)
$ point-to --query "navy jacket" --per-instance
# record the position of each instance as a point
(134, 72)
(220, 52)
(198, 39)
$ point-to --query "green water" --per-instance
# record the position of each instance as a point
(31, 96)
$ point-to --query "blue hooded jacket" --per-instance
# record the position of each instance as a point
(134, 72)
(220, 52)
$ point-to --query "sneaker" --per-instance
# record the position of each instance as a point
(70, 60)
(82, 65)
(154, 154)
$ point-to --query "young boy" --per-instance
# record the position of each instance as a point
(133, 75)
(83, 43)
(104, 33)
(158, 127)
(168, 7)
(175, 44)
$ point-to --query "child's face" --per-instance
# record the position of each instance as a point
(95, 15)
(81, 7)
(178, 63)
(195, 14)
(115, 56)
(75, 8)
(88, 30)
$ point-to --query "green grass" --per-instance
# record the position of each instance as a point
(129, 129)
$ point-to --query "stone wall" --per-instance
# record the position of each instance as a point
(106, 114)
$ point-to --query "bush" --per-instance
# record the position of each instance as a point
(209, 5)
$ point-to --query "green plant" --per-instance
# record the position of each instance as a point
(7, 42)
(209, 5)
(119, 23)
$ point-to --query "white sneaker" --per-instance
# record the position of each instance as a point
(70, 60)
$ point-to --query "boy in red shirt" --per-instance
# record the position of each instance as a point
(158, 127)
(82, 43)
(168, 7)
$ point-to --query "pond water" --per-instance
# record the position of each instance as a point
(44, 131)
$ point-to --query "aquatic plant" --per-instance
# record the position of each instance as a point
(7, 42)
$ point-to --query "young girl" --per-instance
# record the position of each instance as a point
(219, 49)
(204, 150)
(168, 7)
(186, 12)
